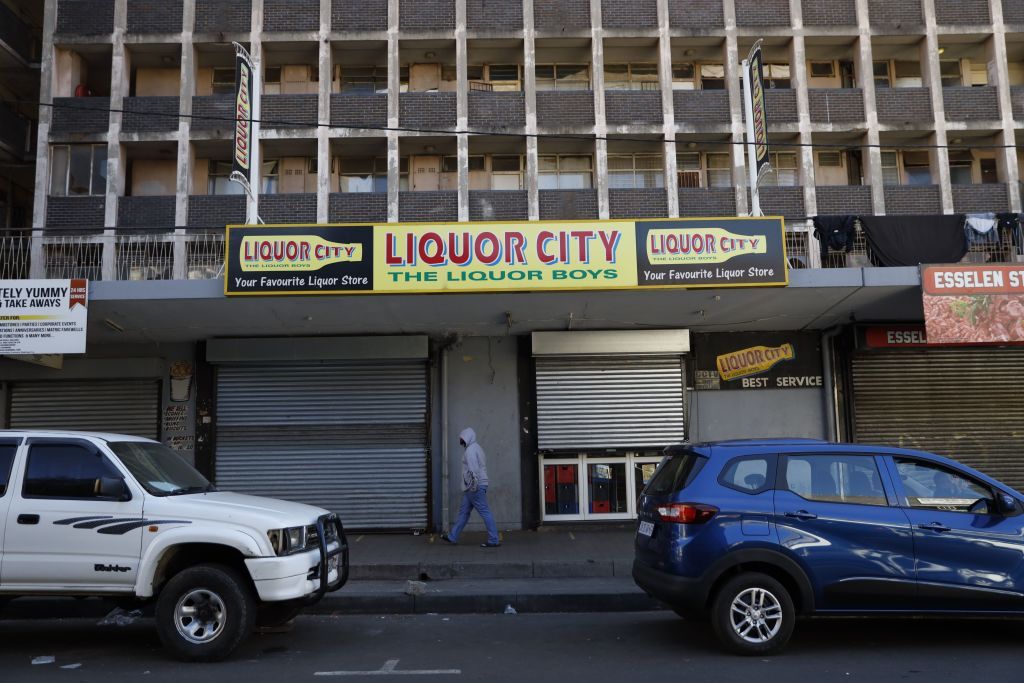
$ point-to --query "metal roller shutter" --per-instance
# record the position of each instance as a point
(122, 407)
(609, 401)
(966, 404)
(350, 437)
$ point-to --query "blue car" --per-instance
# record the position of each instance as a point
(753, 534)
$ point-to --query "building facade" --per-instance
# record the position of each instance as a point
(397, 111)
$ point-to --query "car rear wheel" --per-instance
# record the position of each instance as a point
(753, 614)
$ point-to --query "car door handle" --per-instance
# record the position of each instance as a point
(802, 514)
(28, 519)
(933, 526)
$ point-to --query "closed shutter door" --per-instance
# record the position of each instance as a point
(609, 402)
(122, 407)
(349, 437)
(966, 404)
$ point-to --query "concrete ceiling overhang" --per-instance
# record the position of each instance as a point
(183, 311)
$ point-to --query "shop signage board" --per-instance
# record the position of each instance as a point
(508, 256)
(973, 304)
(41, 317)
(757, 360)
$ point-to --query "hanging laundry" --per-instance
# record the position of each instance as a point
(913, 240)
(980, 228)
(1010, 223)
(836, 233)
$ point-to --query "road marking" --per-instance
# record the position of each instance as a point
(390, 669)
(571, 537)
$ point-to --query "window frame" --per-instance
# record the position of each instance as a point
(85, 445)
(558, 171)
(634, 171)
(67, 169)
(873, 457)
(5, 480)
(770, 476)
(631, 81)
(904, 500)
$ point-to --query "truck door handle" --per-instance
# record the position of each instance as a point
(933, 526)
(28, 519)
(802, 514)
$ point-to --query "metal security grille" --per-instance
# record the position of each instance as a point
(966, 404)
(349, 437)
(122, 407)
(609, 402)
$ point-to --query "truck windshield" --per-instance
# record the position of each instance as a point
(160, 470)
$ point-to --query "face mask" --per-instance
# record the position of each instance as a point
(462, 443)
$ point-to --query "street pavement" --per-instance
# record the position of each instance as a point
(625, 646)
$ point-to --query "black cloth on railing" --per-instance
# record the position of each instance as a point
(913, 240)
(836, 233)
(1011, 223)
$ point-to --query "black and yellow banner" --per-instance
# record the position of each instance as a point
(508, 256)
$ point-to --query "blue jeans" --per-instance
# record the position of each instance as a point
(475, 500)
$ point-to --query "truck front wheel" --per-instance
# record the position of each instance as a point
(204, 613)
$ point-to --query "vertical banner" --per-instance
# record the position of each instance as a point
(755, 76)
(241, 160)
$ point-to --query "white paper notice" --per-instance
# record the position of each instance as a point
(43, 316)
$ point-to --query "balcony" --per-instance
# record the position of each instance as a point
(497, 110)
(16, 34)
(707, 201)
(289, 111)
(146, 212)
(80, 115)
(154, 16)
(567, 204)
(843, 200)
(780, 106)
(426, 15)
(1013, 12)
(841, 105)
(1017, 101)
(566, 109)
(215, 211)
(637, 202)
(762, 12)
(969, 12)
(359, 15)
(288, 208)
(896, 15)
(76, 212)
(631, 107)
(637, 14)
(358, 207)
(291, 15)
(904, 106)
(428, 206)
(494, 17)
(497, 205)
(214, 113)
(702, 108)
(971, 104)
(356, 110)
(429, 110)
(912, 199)
(223, 16)
(980, 198)
(782, 201)
(558, 17)
(85, 17)
(15, 131)
(150, 114)
(696, 14)
(833, 13)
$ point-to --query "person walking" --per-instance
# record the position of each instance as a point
(474, 491)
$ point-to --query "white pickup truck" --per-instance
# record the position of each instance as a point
(87, 514)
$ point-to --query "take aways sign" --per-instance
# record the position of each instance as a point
(973, 304)
(43, 316)
(512, 256)
(756, 360)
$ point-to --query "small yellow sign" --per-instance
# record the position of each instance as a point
(752, 360)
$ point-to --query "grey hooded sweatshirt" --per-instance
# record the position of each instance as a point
(474, 462)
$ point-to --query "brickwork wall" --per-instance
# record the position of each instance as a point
(494, 15)
(696, 14)
(980, 198)
(291, 15)
(910, 199)
(497, 110)
(565, 108)
(843, 105)
(762, 12)
(359, 110)
(903, 105)
(632, 107)
(552, 17)
(707, 201)
(633, 14)
(289, 111)
(219, 109)
(426, 15)
(430, 110)
(567, 204)
(891, 13)
(971, 104)
(359, 15)
(80, 115)
(146, 212)
(150, 114)
(212, 211)
(843, 200)
(75, 212)
(780, 105)
(155, 16)
(488, 205)
(702, 107)
(832, 13)
(637, 203)
(85, 17)
(288, 208)
(1017, 101)
(428, 206)
(358, 207)
(1013, 12)
(223, 16)
(782, 201)
(962, 12)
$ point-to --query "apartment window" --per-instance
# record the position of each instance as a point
(563, 77)
(989, 171)
(635, 170)
(684, 76)
(364, 174)
(689, 167)
(704, 169)
(565, 172)
(712, 77)
(219, 179)
(403, 174)
(403, 78)
(492, 77)
(881, 73)
(631, 76)
(719, 170)
(823, 70)
(506, 172)
(784, 170)
(78, 170)
(363, 79)
(949, 71)
(776, 75)
(917, 168)
(890, 168)
(270, 171)
(908, 74)
(961, 164)
(224, 80)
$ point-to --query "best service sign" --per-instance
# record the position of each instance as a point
(511, 256)
(43, 316)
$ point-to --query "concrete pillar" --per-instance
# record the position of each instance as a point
(323, 135)
(37, 267)
(600, 124)
(668, 109)
(732, 80)
(932, 78)
(998, 73)
(462, 107)
(120, 76)
(183, 177)
(798, 81)
(872, 155)
(394, 63)
(255, 157)
(530, 179)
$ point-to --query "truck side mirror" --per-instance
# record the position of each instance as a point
(114, 489)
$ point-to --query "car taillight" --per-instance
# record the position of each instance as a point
(686, 513)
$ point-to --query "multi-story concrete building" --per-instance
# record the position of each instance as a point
(20, 46)
(385, 111)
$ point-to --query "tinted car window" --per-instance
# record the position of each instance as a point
(65, 471)
(931, 486)
(674, 474)
(7, 451)
(834, 478)
(749, 475)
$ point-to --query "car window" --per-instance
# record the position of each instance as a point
(834, 478)
(932, 486)
(749, 474)
(7, 451)
(63, 470)
(674, 474)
